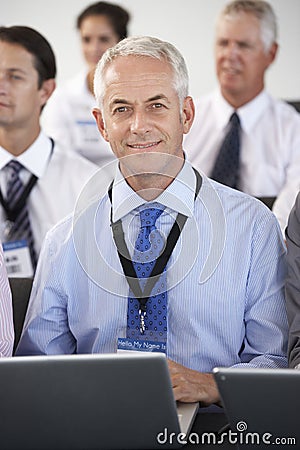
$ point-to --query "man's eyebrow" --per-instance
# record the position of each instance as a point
(158, 97)
(122, 101)
(117, 101)
(16, 69)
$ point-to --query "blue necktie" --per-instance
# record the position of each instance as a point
(226, 168)
(20, 228)
(148, 247)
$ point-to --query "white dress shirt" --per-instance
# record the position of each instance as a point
(270, 146)
(68, 119)
(61, 176)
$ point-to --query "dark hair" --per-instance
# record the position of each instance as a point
(117, 16)
(34, 43)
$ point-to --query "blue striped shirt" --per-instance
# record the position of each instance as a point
(225, 279)
(6, 311)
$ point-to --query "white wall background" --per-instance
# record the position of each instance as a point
(189, 24)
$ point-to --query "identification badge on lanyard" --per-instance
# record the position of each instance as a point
(17, 259)
(140, 345)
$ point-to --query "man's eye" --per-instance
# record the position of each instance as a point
(222, 43)
(244, 45)
(121, 109)
(15, 77)
(157, 105)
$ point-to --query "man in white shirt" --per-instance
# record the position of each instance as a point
(269, 160)
(27, 156)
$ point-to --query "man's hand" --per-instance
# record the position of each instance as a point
(192, 386)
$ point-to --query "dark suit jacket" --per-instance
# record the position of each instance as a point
(293, 283)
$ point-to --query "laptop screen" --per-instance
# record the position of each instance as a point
(262, 405)
(112, 401)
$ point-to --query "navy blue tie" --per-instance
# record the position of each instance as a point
(148, 247)
(226, 168)
(20, 228)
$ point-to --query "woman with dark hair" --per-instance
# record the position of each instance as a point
(68, 115)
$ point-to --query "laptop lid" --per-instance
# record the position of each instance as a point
(111, 401)
(262, 406)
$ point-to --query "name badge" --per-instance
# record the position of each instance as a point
(17, 259)
(88, 131)
(139, 345)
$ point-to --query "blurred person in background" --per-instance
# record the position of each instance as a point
(39, 183)
(292, 285)
(242, 136)
(68, 116)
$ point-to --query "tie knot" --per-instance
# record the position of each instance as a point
(15, 166)
(234, 119)
(149, 216)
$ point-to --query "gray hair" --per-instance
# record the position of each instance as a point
(144, 46)
(263, 11)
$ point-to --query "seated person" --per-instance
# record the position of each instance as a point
(215, 294)
(39, 182)
(265, 161)
(292, 289)
(68, 117)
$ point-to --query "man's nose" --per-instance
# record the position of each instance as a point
(140, 122)
(3, 83)
(231, 50)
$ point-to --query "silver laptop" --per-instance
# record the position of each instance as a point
(111, 401)
(262, 406)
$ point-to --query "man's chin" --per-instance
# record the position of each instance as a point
(149, 164)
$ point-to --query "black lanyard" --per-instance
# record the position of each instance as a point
(12, 213)
(162, 260)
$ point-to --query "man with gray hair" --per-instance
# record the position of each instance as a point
(258, 150)
(165, 260)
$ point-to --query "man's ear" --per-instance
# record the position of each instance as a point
(272, 53)
(188, 114)
(46, 90)
(100, 123)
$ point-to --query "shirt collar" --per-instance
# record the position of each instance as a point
(252, 111)
(222, 110)
(34, 159)
(249, 114)
(179, 195)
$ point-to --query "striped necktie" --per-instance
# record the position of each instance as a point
(20, 228)
(226, 169)
(148, 247)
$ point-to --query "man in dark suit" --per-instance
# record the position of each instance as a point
(293, 283)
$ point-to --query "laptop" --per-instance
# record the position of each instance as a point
(108, 401)
(262, 406)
